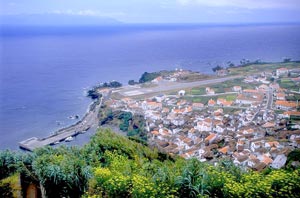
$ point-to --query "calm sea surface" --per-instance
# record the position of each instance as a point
(44, 72)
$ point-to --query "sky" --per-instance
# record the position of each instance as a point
(160, 11)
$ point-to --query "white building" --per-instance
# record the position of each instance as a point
(279, 161)
(282, 71)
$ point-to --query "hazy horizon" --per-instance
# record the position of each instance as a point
(92, 12)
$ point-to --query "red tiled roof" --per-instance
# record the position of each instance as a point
(286, 103)
(210, 137)
(250, 91)
(224, 150)
(155, 132)
(198, 104)
(269, 125)
(289, 113)
(282, 69)
(267, 160)
(211, 102)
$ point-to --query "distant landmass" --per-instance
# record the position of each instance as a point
(55, 20)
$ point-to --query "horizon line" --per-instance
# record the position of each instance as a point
(160, 23)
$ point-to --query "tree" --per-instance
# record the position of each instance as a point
(5, 190)
(61, 172)
(230, 64)
(258, 61)
(146, 77)
(193, 181)
(125, 117)
(293, 156)
(115, 84)
(93, 93)
(217, 68)
(8, 163)
(244, 61)
(132, 82)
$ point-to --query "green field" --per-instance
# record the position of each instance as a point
(294, 97)
(230, 97)
(288, 84)
(222, 87)
(202, 99)
(257, 68)
(197, 91)
(205, 99)
(229, 110)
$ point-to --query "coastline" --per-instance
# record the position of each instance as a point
(89, 120)
(90, 108)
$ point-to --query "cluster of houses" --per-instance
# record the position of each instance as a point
(254, 135)
(173, 76)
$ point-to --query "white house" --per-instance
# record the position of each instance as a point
(181, 92)
(256, 145)
(282, 71)
(178, 122)
(209, 91)
(280, 96)
(285, 105)
(279, 161)
(237, 88)
(204, 125)
(219, 128)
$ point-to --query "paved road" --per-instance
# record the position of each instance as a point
(270, 98)
(168, 86)
(207, 95)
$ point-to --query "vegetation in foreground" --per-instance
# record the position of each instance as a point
(114, 166)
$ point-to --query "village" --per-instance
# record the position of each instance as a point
(252, 120)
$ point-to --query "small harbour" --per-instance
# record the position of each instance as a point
(66, 134)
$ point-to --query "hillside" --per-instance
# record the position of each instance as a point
(114, 166)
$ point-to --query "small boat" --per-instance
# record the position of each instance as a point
(84, 131)
(69, 139)
(74, 117)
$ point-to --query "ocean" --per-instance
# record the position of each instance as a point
(45, 71)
